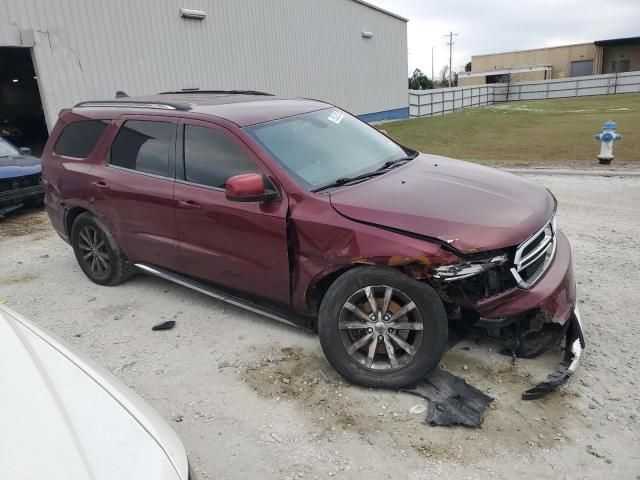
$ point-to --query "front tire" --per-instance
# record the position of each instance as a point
(380, 328)
(97, 251)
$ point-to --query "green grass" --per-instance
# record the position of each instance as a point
(536, 132)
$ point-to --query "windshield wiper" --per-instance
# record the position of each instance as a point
(345, 180)
(379, 171)
(397, 161)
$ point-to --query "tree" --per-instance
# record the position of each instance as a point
(444, 76)
(467, 67)
(419, 81)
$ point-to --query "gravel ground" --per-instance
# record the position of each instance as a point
(255, 399)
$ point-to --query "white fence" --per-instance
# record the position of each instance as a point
(425, 103)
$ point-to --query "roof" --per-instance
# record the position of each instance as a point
(387, 12)
(532, 49)
(243, 109)
(599, 43)
(618, 41)
(504, 71)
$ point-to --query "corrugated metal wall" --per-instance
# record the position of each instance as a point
(89, 49)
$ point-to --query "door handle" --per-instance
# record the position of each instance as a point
(189, 204)
(102, 185)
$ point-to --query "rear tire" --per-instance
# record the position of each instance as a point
(97, 252)
(394, 346)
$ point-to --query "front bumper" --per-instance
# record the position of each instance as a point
(553, 294)
(19, 195)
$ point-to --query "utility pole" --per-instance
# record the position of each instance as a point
(432, 77)
(450, 43)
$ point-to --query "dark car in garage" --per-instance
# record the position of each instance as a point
(20, 178)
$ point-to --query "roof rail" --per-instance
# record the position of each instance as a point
(134, 104)
(217, 92)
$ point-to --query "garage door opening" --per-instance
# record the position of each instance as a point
(21, 115)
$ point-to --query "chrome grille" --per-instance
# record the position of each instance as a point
(534, 256)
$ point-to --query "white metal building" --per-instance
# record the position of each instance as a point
(346, 52)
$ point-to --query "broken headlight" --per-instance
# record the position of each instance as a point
(459, 271)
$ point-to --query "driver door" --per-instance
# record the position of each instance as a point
(238, 245)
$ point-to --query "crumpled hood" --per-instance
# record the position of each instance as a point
(471, 207)
(19, 166)
(63, 418)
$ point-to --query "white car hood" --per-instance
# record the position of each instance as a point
(64, 418)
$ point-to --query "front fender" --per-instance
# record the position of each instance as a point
(325, 251)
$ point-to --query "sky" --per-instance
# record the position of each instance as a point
(491, 26)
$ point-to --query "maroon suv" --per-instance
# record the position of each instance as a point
(295, 209)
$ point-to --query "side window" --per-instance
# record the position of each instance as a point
(211, 158)
(144, 146)
(78, 139)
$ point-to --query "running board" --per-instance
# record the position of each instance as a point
(302, 322)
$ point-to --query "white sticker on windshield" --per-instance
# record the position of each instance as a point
(336, 117)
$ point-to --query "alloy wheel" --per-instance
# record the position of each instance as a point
(93, 251)
(381, 327)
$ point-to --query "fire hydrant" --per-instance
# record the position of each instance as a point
(607, 137)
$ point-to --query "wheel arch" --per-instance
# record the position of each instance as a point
(412, 268)
(71, 213)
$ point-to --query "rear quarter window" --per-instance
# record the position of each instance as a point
(78, 139)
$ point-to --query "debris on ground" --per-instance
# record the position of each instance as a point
(574, 344)
(324, 376)
(452, 401)
(274, 356)
(417, 409)
(168, 325)
(592, 451)
(554, 380)
(126, 365)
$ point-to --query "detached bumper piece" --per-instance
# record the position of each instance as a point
(452, 401)
(573, 350)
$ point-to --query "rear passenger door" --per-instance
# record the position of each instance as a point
(134, 189)
(238, 245)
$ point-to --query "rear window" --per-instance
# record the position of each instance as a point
(78, 139)
(144, 146)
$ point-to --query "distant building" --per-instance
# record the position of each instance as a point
(604, 56)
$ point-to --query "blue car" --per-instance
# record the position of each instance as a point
(20, 178)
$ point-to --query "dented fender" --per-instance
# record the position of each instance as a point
(319, 252)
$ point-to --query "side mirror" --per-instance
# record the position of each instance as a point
(249, 187)
(25, 150)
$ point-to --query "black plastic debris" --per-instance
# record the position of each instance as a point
(574, 344)
(168, 325)
(554, 380)
(452, 401)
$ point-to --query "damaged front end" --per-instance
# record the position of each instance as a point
(524, 297)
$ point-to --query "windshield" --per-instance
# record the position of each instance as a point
(320, 147)
(7, 150)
